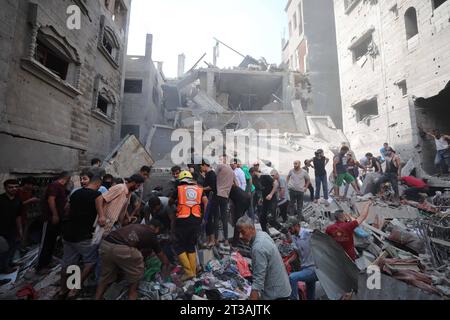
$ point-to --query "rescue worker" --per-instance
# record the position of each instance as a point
(186, 225)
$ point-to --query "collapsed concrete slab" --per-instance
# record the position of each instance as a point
(337, 273)
(120, 164)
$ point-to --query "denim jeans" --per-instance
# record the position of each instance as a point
(308, 276)
(324, 181)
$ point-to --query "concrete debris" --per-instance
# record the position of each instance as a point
(120, 164)
(337, 274)
(405, 243)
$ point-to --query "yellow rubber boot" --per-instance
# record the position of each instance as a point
(193, 262)
(188, 273)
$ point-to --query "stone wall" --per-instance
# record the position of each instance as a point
(422, 63)
(48, 123)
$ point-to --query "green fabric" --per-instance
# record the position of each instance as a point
(152, 267)
(347, 177)
(248, 176)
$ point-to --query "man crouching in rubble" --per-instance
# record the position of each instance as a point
(342, 231)
(121, 251)
(270, 278)
(301, 239)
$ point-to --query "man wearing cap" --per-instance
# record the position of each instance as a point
(342, 230)
(186, 225)
(301, 239)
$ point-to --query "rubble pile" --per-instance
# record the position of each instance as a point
(411, 248)
(404, 242)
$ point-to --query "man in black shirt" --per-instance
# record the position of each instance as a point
(77, 233)
(257, 196)
(269, 206)
(10, 223)
(320, 162)
(212, 209)
(241, 203)
(121, 251)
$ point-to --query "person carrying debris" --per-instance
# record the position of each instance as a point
(301, 238)
(122, 251)
(186, 226)
(342, 230)
(393, 172)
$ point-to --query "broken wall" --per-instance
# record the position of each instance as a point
(141, 110)
(313, 43)
(422, 64)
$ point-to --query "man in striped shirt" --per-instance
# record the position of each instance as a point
(112, 205)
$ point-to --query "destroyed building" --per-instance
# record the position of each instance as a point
(142, 99)
(60, 88)
(390, 53)
(248, 97)
(311, 50)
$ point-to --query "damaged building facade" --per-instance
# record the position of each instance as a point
(142, 100)
(243, 99)
(311, 50)
(60, 88)
(390, 53)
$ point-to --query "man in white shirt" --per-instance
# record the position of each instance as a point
(442, 150)
(239, 174)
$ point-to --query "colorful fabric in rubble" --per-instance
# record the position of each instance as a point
(152, 267)
(242, 265)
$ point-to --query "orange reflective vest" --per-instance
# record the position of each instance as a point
(189, 201)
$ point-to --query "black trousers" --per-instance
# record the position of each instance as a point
(296, 202)
(186, 235)
(413, 193)
(269, 208)
(311, 191)
(51, 233)
(284, 210)
(223, 216)
(212, 222)
(239, 210)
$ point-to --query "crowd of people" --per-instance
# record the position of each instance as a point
(106, 227)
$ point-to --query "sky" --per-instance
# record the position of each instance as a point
(252, 27)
